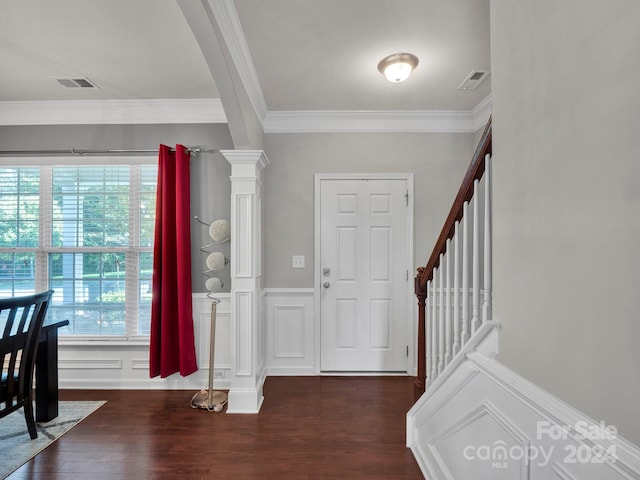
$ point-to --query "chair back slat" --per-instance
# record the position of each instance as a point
(21, 319)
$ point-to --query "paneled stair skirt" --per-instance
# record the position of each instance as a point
(213, 401)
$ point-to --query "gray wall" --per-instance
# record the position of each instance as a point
(566, 115)
(211, 187)
(438, 162)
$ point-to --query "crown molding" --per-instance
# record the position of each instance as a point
(106, 112)
(229, 23)
(196, 111)
(379, 121)
(363, 121)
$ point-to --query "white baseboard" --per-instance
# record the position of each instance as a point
(484, 421)
(246, 400)
(195, 384)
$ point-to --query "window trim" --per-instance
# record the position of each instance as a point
(46, 164)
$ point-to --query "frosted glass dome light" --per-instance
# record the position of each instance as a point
(397, 67)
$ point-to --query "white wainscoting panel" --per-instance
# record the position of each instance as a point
(481, 421)
(289, 331)
(122, 365)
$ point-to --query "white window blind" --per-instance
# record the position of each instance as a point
(87, 233)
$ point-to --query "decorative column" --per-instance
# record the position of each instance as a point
(247, 370)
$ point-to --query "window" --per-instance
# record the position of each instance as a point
(87, 233)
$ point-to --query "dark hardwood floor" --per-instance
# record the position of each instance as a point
(308, 428)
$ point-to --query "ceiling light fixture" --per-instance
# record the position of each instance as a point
(398, 67)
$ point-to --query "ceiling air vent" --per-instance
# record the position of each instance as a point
(473, 79)
(76, 83)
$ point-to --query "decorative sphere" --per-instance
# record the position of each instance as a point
(213, 284)
(220, 231)
(216, 261)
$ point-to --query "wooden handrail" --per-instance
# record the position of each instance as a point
(474, 172)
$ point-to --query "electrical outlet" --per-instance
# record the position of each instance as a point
(297, 261)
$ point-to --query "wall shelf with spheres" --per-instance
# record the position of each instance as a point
(216, 261)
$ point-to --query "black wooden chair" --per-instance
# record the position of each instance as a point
(21, 320)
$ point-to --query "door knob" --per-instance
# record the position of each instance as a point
(325, 284)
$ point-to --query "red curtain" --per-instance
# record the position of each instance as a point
(172, 343)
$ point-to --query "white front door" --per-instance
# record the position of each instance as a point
(363, 275)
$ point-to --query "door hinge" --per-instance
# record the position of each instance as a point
(407, 350)
(406, 197)
(407, 275)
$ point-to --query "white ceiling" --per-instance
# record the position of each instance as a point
(132, 49)
(323, 55)
(308, 55)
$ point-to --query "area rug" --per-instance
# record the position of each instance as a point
(17, 448)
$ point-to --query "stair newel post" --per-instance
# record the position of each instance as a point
(421, 293)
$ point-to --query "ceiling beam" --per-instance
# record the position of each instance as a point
(244, 125)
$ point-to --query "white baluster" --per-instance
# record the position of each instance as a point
(486, 306)
(434, 329)
(441, 329)
(475, 315)
(465, 273)
(428, 331)
(456, 289)
(447, 305)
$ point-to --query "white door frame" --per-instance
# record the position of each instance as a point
(411, 309)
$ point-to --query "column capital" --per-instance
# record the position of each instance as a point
(257, 158)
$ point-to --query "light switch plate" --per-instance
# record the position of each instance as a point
(297, 261)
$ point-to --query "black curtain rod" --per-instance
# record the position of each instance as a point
(80, 151)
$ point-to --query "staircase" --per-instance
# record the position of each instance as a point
(454, 288)
(474, 418)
